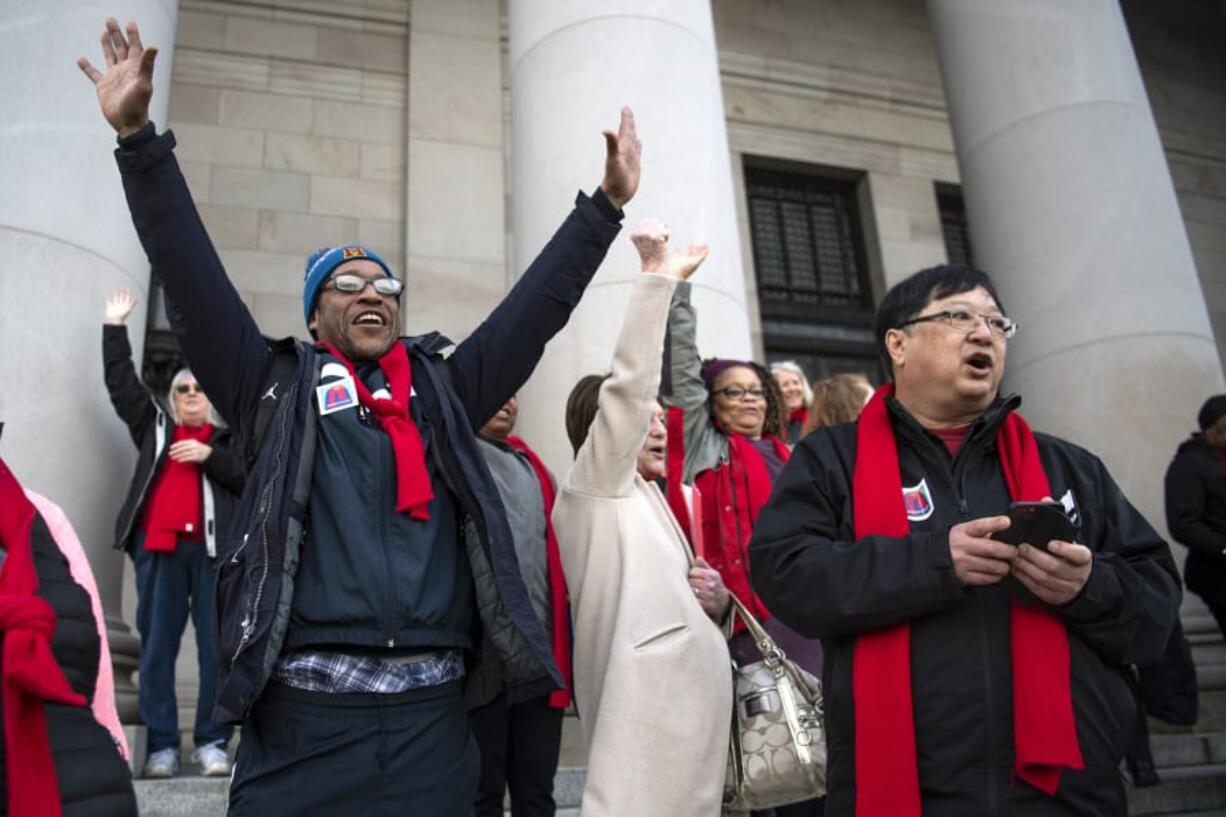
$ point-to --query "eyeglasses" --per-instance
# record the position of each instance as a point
(346, 282)
(184, 388)
(965, 321)
(735, 393)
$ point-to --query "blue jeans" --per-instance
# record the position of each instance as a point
(169, 587)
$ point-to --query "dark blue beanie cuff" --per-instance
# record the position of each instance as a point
(320, 265)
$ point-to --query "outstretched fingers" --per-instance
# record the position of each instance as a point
(626, 131)
(118, 44)
(134, 41)
(89, 70)
(146, 62)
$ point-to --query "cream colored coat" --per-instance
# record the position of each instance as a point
(652, 675)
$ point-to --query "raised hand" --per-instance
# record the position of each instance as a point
(683, 263)
(124, 90)
(623, 151)
(650, 238)
(119, 306)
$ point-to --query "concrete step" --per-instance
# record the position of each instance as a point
(1184, 790)
(189, 796)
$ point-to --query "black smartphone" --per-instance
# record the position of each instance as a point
(1037, 523)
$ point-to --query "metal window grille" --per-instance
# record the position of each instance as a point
(955, 228)
(806, 245)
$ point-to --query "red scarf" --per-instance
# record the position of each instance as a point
(689, 517)
(31, 675)
(413, 490)
(1044, 733)
(799, 415)
(558, 604)
(174, 505)
(758, 482)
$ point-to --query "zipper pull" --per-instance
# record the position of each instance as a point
(964, 508)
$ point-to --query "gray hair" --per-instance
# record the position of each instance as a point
(792, 367)
(181, 376)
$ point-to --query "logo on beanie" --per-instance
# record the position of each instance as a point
(352, 252)
(918, 501)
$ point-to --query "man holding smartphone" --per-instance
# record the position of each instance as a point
(964, 674)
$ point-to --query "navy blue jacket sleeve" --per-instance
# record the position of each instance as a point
(496, 359)
(128, 394)
(217, 334)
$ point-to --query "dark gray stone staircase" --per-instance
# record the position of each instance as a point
(1192, 761)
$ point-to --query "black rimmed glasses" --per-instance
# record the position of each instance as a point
(965, 321)
(347, 282)
(735, 393)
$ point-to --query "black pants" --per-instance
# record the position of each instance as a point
(405, 755)
(519, 751)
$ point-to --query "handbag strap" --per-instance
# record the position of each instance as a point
(765, 644)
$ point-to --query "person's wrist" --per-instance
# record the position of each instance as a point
(614, 198)
(134, 126)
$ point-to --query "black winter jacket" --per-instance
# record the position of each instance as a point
(148, 420)
(94, 780)
(1196, 515)
(238, 368)
(821, 582)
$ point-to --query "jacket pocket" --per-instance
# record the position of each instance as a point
(660, 635)
(229, 597)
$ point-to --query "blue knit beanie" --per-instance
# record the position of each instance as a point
(320, 265)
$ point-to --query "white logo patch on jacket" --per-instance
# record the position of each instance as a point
(1070, 507)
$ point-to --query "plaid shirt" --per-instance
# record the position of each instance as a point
(339, 673)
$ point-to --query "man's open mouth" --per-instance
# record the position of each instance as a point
(980, 362)
(369, 319)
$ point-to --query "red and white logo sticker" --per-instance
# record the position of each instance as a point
(918, 501)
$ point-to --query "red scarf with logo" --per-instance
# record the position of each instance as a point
(174, 505)
(1044, 732)
(31, 675)
(558, 603)
(413, 490)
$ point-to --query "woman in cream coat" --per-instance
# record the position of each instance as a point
(651, 669)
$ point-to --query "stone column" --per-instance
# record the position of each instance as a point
(68, 242)
(1074, 214)
(573, 65)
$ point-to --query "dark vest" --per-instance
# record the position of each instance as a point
(370, 576)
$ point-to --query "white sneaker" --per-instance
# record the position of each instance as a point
(213, 760)
(162, 763)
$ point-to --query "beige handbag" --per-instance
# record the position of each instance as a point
(777, 751)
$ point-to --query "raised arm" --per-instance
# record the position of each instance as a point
(222, 344)
(128, 394)
(497, 358)
(683, 386)
(605, 465)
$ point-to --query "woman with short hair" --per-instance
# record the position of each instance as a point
(651, 672)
